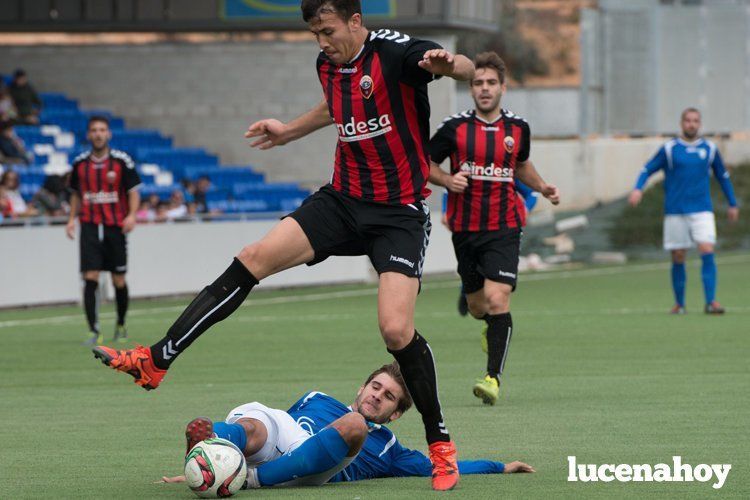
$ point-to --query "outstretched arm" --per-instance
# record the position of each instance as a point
(271, 132)
(441, 62)
(658, 162)
(407, 463)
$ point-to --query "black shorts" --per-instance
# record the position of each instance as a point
(491, 255)
(394, 237)
(103, 248)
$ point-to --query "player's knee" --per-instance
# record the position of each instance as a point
(678, 256)
(118, 280)
(397, 332)
(498, 301)
(477, 310)
(249, 253)
(705, 248)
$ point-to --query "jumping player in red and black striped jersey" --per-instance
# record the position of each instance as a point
(488, 149)
(375, 92)
(105, 188)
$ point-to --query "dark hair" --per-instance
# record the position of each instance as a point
(493, 61)
(395, 373)
(689, 110)
(345, 9)
(97, 118)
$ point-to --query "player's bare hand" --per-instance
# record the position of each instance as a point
(438, 62)
(268, 133)
(128, 224)
(635, 197)
(70, 229)
(458, 182)
(551, 193)
(733, 214)
(514, 467)
(172, 479)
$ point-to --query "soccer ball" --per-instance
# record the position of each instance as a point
(215, 468)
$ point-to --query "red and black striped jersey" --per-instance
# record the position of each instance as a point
(489, 151)
(103, 185)
(379, 104)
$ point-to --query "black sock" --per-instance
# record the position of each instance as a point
(499, 332)
(89, 304)
(418, 368)
(122, 298)
(215, 303)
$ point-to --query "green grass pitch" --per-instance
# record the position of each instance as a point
(597, 369)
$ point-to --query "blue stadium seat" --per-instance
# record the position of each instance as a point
(235, 188)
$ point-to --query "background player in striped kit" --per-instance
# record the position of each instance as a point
(375, 89)
(104, 186)
(488, 147)
(687, 162)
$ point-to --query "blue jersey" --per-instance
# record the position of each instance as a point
(382, 455)
(687, 168)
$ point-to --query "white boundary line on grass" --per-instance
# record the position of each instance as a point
(313, 297)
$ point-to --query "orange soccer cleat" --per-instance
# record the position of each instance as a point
(136, 362)
(197, 430)
(444, 465)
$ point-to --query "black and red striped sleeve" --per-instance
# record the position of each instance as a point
(414, 52)
(75, 182)
(525, 150)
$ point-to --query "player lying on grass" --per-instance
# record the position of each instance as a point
(320, 440)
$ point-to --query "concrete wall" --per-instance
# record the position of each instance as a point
(551, 112)
(40, 265)
(204, 94)
(654, 60)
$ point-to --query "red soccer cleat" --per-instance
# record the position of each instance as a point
(677, 309)
(444, 465)
(714, 308)
(136, 362)
(197, 430)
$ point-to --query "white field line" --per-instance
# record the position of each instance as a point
(314, 297)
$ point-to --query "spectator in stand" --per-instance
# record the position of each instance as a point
(50, 199)
(202, 186)
(12, 150)
(6, 207)
(26, 99)
(18, 207)
(7, 106)
(145, 213)
(177, 208)
(162, 209)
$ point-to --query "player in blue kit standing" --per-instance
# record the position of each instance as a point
(687, 162)
(320, 439)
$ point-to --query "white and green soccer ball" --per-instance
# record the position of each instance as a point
(215, 468)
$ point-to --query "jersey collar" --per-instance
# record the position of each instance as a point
(696, 142)
(499, 117)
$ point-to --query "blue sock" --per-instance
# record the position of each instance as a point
(708, 273)
(232, 432)
(321, 452)
(678, 283)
